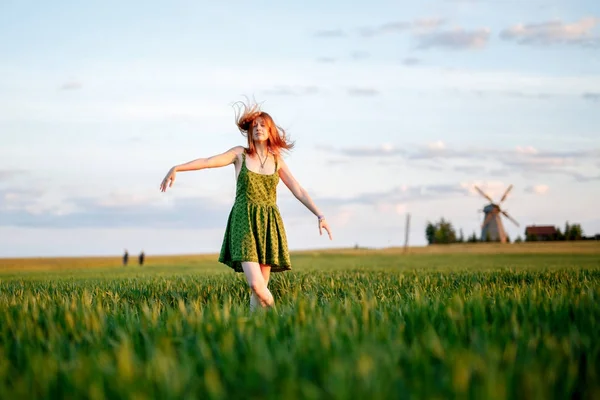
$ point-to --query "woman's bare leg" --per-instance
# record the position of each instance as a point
(257, 283)
(266, 273)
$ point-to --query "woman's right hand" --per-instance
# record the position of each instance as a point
(169, 180)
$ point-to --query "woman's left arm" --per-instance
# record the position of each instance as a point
(302, 195)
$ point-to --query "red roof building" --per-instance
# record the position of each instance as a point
(543, 232)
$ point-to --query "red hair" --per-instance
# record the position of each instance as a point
(246, 117)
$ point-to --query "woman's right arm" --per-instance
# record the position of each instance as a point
(219, 160)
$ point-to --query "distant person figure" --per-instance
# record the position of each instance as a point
(255, 240)
(141, 258)
(125, 258)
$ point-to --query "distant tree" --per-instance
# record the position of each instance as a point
(430, 233)
(473, 238)
(567, 230)
(445, 232)
(461, 237)
(519, 239)
(559, 235)
(442, 232)
(575, 232)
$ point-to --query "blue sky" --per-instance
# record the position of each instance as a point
(396, 108)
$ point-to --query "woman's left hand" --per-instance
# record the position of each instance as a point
(323, 225)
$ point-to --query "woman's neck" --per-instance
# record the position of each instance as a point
(261, 148)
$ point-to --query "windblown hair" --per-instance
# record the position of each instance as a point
(246, 116)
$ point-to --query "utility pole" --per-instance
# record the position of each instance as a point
(406, 231)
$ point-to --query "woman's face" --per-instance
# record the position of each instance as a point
(260, 130)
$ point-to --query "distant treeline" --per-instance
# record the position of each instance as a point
(443, 232)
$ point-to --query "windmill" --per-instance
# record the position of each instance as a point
(492, 223)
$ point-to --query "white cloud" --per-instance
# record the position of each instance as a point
(411, 61)
(400, 208)
(555, 32)
(394, 199)
(8, 174)
(595, 97)
(363, 91)
(416, 26)
(127, 199)
(71, 85)
(499, 162)
(34, 202)
(526, 150)
(537, 189)
(16, 198)
(457, 39)
(390, 207)
(387, 147)
(330, 33)
(287, 90)
(438, 145)
(428, 24)
(342, 216)
(359, 55)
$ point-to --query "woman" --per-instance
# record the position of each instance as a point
(255, 241)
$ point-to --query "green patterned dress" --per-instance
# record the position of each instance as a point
(255, 230)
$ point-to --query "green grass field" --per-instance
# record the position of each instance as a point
(479, 321)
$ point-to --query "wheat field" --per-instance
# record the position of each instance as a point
(463, 321)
